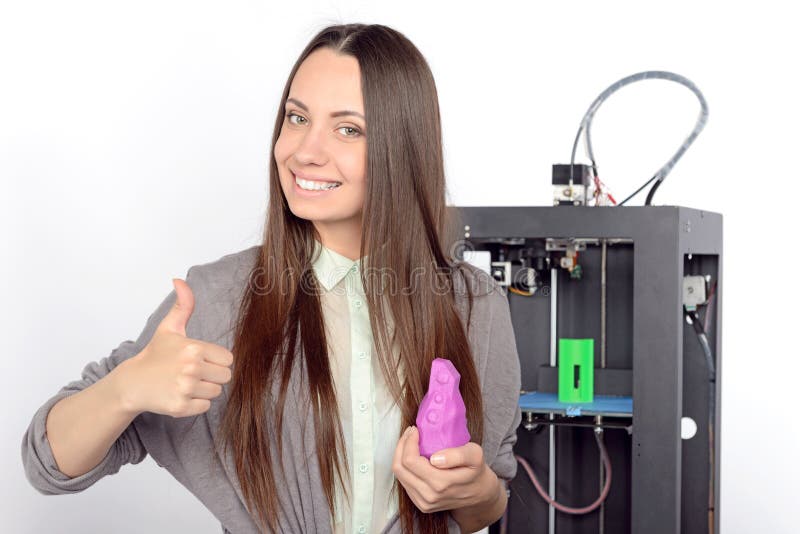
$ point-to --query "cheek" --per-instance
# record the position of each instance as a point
(353, 164)
(357, 182)
(282, 149)
(358, 193)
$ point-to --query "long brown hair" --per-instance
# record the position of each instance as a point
(405, 208)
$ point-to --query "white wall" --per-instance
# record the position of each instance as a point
(134, 139)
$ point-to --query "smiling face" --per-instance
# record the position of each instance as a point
(322, 142)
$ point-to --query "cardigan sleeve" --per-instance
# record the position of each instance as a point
(501, 388)
(38, 461)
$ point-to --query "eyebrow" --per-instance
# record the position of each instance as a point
(334, 114)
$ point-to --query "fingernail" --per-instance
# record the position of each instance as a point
(437, 459)
(408, 429)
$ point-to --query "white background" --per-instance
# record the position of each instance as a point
(134, 142)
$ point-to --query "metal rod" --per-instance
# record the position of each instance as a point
(534, 422)
(551, 517)
(601, 520)
(603, 307)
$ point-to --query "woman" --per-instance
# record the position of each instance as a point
(275, 382)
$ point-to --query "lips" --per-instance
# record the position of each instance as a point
(311, 178)
(312, 193)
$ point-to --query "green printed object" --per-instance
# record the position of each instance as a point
(575, 370)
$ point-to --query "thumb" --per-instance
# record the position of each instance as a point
(178, 315)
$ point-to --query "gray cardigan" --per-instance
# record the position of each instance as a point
(184, 445)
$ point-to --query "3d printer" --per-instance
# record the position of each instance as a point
(616, 312)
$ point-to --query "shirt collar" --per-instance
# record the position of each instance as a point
(330, 266)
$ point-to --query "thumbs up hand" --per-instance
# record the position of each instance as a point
(176, 375)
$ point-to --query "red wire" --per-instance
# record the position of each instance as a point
(568, 509)
(598, 183)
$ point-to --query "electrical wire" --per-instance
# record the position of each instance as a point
(661, 173)
(694, 319)
(701, 336)
(599, 188)
(520, 292)
(707, 306)
(637, 191)
(649, 199)
(568, 509)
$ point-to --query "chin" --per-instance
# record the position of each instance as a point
(310, 213)
(302, 212)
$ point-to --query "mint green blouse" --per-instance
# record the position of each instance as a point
(370, 417)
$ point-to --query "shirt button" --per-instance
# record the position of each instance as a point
(357, 304)
(363, 468)
(362, 355)
(362, 406)
(362, 529)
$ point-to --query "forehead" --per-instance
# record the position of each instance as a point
(328, 80)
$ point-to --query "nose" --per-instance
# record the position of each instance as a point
(312, 148)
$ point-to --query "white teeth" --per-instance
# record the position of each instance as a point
(315, 186)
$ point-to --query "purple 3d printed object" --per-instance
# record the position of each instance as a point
(442, 416)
